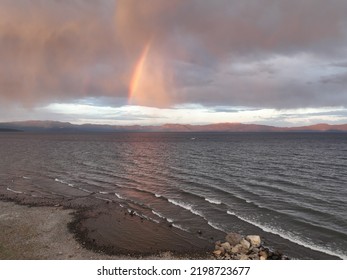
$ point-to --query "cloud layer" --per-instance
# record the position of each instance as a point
(264, 53)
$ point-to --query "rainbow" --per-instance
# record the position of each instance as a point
(138, 74)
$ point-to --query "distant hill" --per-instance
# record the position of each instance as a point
(55, 126)
(9, 130)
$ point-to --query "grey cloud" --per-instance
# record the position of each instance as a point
(66, 50)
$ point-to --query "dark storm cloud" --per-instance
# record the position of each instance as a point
(55, 51)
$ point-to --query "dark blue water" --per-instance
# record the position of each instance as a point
(293, 184)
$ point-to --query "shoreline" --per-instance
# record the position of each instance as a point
(105, 230)
(53, 230)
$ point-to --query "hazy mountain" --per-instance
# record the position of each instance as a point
(55, 126)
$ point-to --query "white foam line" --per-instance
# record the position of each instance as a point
(26, 178)
(216, 226)
(181, 204)
(82, 189)
(103, 192)
(157, 195)
(180, 227)
(213, 201)
(151, 219)
(63, 182)
(161, 216)
(158, 214)
(291, 238)
(9, 189)
(109, 200)
(119, 196)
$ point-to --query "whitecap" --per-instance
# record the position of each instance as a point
(213, 201)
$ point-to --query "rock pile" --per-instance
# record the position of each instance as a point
(238, 247)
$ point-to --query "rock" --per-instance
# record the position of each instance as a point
(245, 244)
(244, 258)
(218, 243)
(263, 254)
(262, 258)
(217, 247)
(254, 257)
(226, 246)
(237, 249)
(255, 250)
(254, 240)
(217, 253)
(233, 238)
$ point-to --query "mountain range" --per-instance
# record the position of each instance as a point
(56, 126)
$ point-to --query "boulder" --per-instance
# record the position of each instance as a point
(254, 240)
(233, 238)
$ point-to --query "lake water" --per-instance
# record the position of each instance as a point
(290, 185)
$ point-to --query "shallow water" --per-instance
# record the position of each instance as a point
(289, 185)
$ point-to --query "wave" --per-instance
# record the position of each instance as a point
(215, 226)
(291, 237)
(182, 204)
(26, 178)
(158, 214)
(104, 192)
(9, 189)
(213, 201)
(157, 195)
(162, 217)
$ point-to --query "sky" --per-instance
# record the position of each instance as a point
(125, 62)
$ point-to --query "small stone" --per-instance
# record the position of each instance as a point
(237, 249)
(217, 253)
(233, 238)
(217, 247)
(57, 205)
(218, 243)
(254, 240)
(254, 257)
(263, 254)
(245, 244)
(226, 246)
(244, 257)
(60, 253)
(255, 250)
(262, 258)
